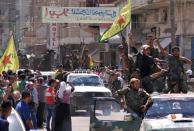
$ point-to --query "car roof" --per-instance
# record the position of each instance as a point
(82, 74)
(47, 72)
(173, 96)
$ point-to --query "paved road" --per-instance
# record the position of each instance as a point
(80, 122)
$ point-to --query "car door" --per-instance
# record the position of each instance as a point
(108, 116)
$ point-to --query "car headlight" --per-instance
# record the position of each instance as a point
(107, 94)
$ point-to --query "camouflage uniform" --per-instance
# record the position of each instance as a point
(147, 84)
(116, 85)
(135, 99)
(176, 75)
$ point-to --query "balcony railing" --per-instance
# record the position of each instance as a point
(140, 3)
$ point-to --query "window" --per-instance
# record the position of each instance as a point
(109, 110)
(162, 108)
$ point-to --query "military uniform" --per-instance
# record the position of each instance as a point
(135, 99)
(116, 85)
(176, 76)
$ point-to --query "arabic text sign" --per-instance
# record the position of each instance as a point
(52, 14)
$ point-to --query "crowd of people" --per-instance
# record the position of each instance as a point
(39, 98)
(36, 98)
(147, 70)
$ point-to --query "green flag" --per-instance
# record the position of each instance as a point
(121, 21)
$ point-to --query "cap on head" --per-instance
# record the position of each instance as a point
(145, 47)
(137, 70)
(40, 78)
(133, 80)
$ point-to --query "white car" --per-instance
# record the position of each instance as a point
(86, 85)
(49, 73)
(170, 112)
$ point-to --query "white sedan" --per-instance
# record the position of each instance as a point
(170, 112)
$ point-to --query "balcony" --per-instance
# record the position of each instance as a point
(139, 6)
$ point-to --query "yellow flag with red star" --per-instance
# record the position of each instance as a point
(9, 60)
(121, 21)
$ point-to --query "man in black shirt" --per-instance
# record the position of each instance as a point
(149, 70)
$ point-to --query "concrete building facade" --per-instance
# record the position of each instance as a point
(8, 16)
(148, 15)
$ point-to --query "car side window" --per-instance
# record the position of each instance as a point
(176, 106)
(109, 110)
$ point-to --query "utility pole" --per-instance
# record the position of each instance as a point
(172, 22)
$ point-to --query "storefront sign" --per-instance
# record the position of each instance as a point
(52, 14)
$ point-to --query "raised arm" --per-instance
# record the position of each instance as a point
(159, 46)
(131, 43)
(186, 60)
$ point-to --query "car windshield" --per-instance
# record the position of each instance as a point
(86, 81)
(162, 108)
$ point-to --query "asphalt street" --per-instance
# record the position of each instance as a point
(80, 121)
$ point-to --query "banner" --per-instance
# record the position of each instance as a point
(121, 21)
(51, 14)
(9, 60)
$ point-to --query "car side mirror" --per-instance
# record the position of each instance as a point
(128, 117)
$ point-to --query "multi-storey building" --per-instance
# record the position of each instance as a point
(8, 16)
(148, 15)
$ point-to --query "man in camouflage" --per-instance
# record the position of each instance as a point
(176, 76)
(114, 84)
(137, 99)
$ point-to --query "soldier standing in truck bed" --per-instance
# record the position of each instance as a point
(136, 98)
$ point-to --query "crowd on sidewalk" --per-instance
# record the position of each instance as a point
(36, 97)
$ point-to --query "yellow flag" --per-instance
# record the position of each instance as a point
(121, 21)
(9, 60)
